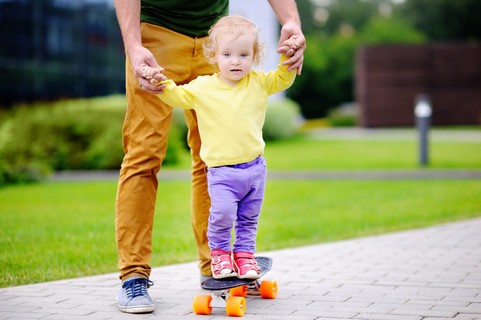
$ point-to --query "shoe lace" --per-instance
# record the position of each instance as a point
(137, 287)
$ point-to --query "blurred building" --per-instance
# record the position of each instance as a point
(390, 77)
(52, 49)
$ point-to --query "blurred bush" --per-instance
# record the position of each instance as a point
(66, 135)
(283, 119)
(390, 30)
(343, 116)
(327, 75)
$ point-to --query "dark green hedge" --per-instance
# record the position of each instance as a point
(66, 135)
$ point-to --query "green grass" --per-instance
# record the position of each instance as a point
(304, 212)
(303, 154)
(61, 230)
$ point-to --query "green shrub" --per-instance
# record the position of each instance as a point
(327, 74)
(283, 119)
(65, 135)
(390, 30)
(343, 116)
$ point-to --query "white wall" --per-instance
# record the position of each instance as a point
(260, 12)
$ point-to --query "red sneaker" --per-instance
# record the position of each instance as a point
(221, 264)
(246, 266)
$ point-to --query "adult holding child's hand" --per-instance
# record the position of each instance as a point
(292, 42)
(142, 58)
(293, 46)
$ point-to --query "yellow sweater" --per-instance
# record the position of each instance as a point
(230, 118)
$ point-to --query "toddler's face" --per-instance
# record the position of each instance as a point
(235, 58)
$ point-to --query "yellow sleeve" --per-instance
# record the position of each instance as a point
(178, 96)
(281, 78)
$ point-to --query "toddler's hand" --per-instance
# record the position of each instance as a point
(153, 75)
(288, 47)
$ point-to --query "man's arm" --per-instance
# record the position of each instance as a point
(128, 16)
(288, 15)
(286, 11)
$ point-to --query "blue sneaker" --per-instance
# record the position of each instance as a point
(133, 296)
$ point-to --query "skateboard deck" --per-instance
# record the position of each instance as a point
(265, 264)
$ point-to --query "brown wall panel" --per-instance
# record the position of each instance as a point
(388, 79)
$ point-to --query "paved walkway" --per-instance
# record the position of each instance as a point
(170, 174)
(428, 274)
(395, 134)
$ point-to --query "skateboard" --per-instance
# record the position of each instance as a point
(230, 293)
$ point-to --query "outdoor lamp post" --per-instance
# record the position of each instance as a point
(423, 111)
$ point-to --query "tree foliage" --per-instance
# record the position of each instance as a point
(335, 29)
(327, 78)
(445, 20)
(389, 30)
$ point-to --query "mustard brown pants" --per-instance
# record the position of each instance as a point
(145, 134)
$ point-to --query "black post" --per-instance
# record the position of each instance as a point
(423, 111)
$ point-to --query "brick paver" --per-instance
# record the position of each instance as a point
(423, 274)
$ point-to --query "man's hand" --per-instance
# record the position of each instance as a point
(292, 43)
(147, 70)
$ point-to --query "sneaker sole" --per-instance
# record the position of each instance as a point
(253, 278)
(225, 276)
(137, 309)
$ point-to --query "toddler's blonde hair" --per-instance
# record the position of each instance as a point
(230, 28)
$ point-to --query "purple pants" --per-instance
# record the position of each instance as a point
(236, 195)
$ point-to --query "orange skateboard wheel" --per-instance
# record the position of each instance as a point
(239, 291)
(269, 289)
(201, 304)
(235, 306)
